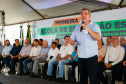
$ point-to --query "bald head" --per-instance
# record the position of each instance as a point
(27, 42)
(122, 38)
(45, 43)
(122, 41)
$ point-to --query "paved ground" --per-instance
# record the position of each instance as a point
(15, 79)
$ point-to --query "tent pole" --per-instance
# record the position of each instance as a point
(33, 9)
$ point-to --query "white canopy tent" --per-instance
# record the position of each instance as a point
(24, 11)
(17, 11)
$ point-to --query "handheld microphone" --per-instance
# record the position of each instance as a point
(82, 26)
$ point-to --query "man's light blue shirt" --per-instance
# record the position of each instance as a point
(6, 50)
(44, 51)
(87, 45)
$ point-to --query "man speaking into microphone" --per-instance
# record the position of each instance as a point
(86, 35)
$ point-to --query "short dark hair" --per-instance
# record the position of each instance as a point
(76, 48)
(89, 12)
(54, 43)
(66, 36)
(16, 39)
(41, 40)
(116, 36)
(57, 39)
(7, 40)
(109, 37)
(36, 40)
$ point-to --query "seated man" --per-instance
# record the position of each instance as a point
(114, 56)
(42, 58)
(121, 68)
(40, 42)
(62, 59)
(6, 52)
(23, 54)
(33, 54)
(109, 41)
(53, 52)
(58, 45)
(14, 56)
(1, 49)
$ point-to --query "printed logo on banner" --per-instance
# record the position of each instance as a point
(60, 27)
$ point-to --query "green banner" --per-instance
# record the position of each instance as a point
(108, 28)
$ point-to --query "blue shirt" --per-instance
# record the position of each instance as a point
(124, 47)
(87, 45)
(15, 50)
(6, 50)
(44, 51)
(73, 54)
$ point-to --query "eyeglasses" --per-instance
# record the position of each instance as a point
(114, 38)
(122, 40)
(108, 39)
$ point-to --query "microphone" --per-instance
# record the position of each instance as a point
(82, 26)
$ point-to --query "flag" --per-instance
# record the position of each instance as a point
(28, 33)
(21, 36)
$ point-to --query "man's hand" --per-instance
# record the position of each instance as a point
(40, 60)
(83, 25)
(46, 55)
(13, 57)
(47, 61)
(4, 56)
(124, 63)
(108, 65)
(30, 57)
(58, 60)
(74, 57)
(72, 42)
(20, 57)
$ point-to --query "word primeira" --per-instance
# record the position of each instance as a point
(67, 21)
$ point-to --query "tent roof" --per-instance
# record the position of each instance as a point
(17, 11)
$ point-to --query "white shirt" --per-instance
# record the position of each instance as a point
(64, 51)
(53, 52)
(115, 55)
(35, 51)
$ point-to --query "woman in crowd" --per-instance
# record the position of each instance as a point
(101, 54)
